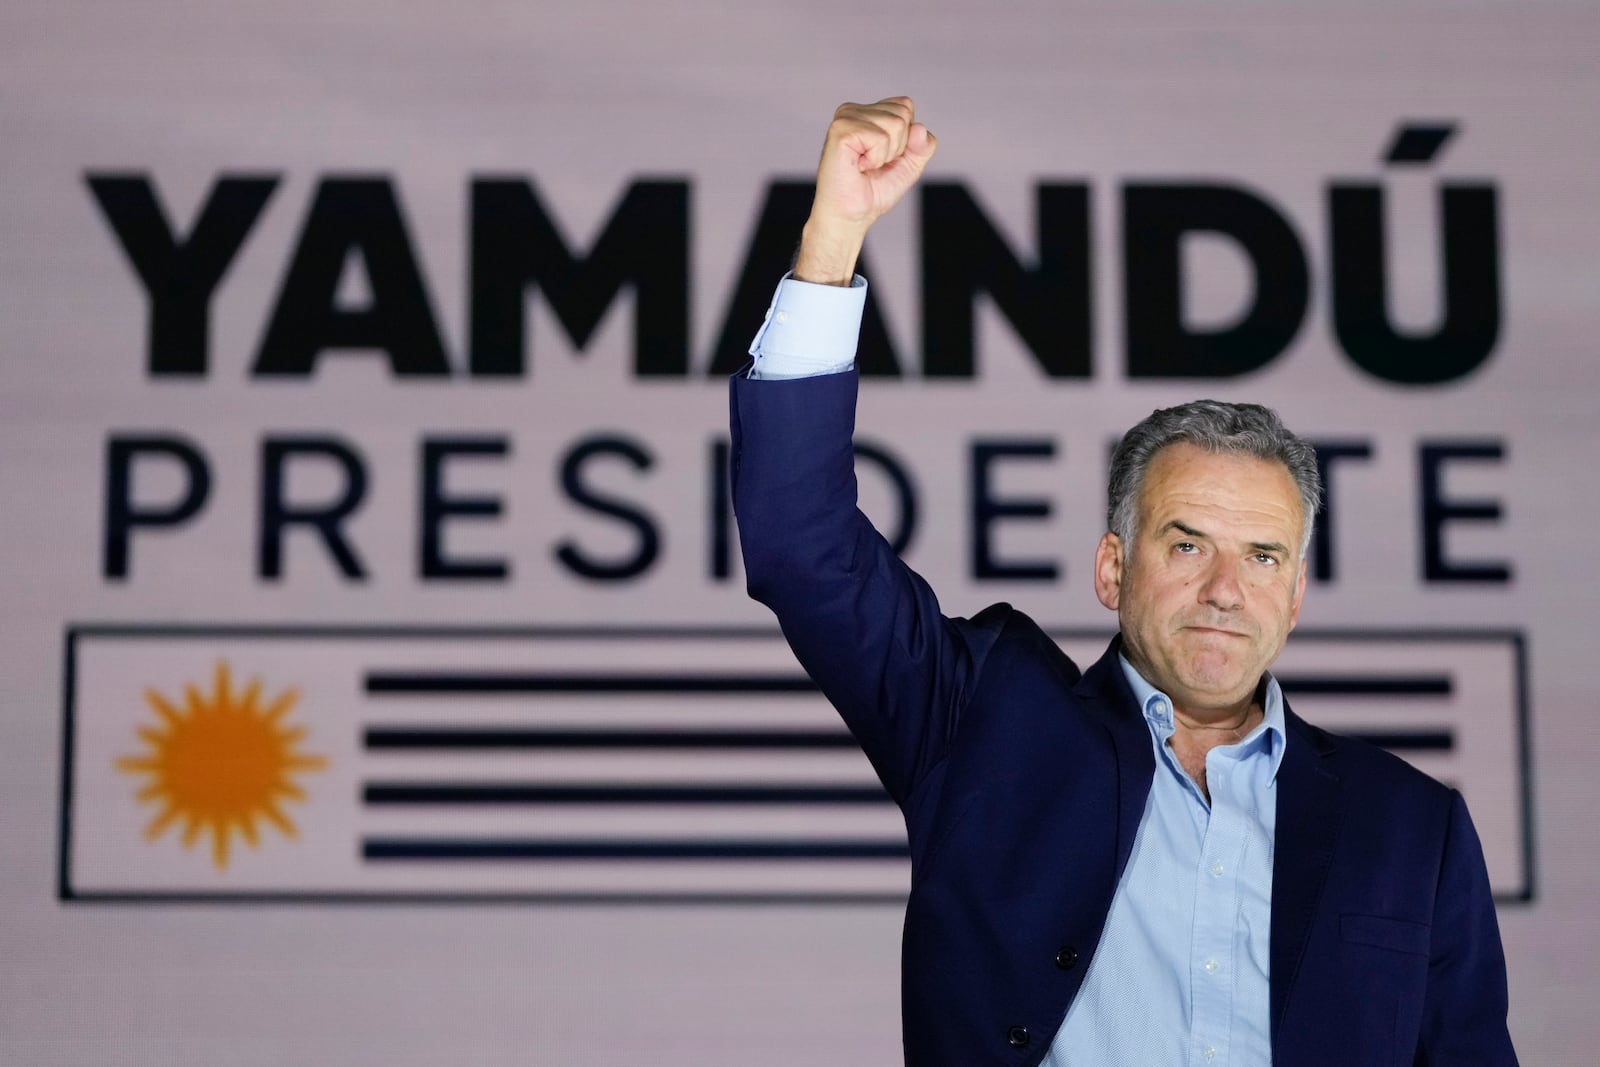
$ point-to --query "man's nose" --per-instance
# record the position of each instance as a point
(1221, 589)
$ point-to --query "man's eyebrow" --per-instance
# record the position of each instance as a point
(1255, 546)
(1182, 528)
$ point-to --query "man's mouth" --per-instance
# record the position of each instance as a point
(1216, 630)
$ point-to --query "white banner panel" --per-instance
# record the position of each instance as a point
(471, 765)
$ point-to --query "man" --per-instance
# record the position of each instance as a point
(1152, 862)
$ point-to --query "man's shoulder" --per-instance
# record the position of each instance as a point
(1009, 632)
(1368, 770)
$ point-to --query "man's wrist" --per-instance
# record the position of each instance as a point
(828, 253)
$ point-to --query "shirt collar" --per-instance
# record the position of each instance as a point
(1157, 708)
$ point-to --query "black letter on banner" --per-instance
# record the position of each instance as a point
(770, 254)
(122, 515)
(353, 216)
(986, 510)
(1436, 511)
(180, 276)
(1155, 219)
(1330, 453)
(1048, 305)
(649, 539)
(905, 495)
(436, 508)
(1470, 263)
(515, 244)
(326, 519)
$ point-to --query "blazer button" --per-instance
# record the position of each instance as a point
(1066, 957)
(1017, 1037)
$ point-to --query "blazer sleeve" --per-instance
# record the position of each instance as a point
(865, 627)
(1464, 1009)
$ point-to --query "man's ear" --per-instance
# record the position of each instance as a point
(1109, 567)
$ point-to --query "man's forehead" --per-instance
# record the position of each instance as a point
(1194, 460)
(1185, 474)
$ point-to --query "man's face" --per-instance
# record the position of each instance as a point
(1211, 587)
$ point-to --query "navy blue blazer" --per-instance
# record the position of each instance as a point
(1023, 781)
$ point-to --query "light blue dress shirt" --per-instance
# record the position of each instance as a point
(1181, 972)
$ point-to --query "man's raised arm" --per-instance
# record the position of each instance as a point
(866, 628)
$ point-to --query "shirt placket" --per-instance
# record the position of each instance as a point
(1216, 900)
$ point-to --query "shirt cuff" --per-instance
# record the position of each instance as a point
(809, 330)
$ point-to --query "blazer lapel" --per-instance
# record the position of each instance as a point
(1105, 686)
(1310, 811)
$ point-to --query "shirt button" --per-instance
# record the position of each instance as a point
(783, 317)
(1209, 1052)
(1212, 966)
(1216, 870)
(1017, 1037)
(1067, 957)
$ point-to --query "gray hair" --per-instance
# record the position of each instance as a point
(1247, 429)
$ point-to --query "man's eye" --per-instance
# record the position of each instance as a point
(1267, 558)
(1184, 546)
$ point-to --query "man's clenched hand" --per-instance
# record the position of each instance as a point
(872, 155)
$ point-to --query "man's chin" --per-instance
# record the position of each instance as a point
(1218, 684)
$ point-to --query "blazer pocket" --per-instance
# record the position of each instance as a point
(1379, 931)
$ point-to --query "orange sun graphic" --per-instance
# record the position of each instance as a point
(221, 764)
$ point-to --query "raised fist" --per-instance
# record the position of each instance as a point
(873, 153)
